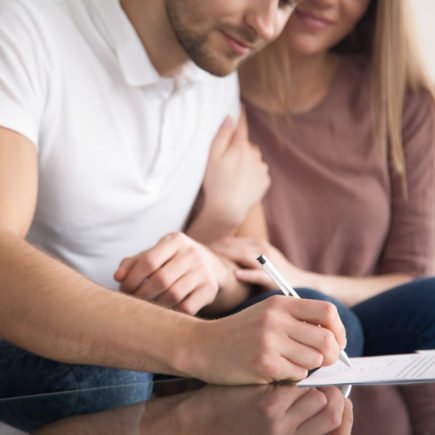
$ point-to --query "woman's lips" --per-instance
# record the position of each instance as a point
(313, 21)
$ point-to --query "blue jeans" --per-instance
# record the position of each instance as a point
(400, 320)
(23, 373)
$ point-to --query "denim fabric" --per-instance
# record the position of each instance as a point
(23, 373)
(400, 320)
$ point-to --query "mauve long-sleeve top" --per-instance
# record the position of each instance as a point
(335, 206)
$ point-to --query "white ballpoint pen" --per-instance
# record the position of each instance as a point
(288, 290)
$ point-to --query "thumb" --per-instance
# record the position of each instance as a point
(254, 276)
(223, 137)
(241, 131)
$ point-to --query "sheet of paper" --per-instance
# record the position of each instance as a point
(391, 369)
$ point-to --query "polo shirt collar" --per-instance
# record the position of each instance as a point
(135, 64)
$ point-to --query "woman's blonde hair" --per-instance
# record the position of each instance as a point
(385, 36)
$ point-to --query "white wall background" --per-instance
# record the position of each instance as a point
(424, 13)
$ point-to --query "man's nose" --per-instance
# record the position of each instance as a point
(261, 18)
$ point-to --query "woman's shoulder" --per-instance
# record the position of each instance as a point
(421, 100)
(418, 111)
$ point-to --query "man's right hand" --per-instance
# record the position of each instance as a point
(177, 272)
(277, 339)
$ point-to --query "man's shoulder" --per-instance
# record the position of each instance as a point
(27, 12)
(23, 6)
(32, 23)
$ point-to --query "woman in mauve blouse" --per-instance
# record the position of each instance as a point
(343, 114)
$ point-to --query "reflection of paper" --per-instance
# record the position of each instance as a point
(394, 369)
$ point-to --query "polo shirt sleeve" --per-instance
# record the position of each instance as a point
(410, 245)
(23, 70)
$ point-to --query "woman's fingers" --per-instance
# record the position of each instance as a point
(254, 276)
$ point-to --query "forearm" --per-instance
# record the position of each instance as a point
(208, 223)
(353, 290)
(255, 225)
(49, 309)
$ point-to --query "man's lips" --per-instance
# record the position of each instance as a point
(237, 45)
(313, 20)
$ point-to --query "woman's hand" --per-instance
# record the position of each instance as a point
(245, 251)
(235, 181)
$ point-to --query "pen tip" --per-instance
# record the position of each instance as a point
(345, 358)
(261, 259)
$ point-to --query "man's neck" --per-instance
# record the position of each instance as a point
(150, 21)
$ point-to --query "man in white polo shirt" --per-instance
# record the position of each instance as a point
(105, 126)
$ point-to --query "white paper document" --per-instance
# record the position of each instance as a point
(391, 369)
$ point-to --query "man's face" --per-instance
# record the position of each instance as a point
(219, 34)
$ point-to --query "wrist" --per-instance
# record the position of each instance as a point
(188, 352)
(208, 226)
(311, 280)
(224, 270)
(222, 212)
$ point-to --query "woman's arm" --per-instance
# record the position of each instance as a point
(255, 224)
(346, 289)
(410, 245)
(350, 290)
(229, 203)
(236, 179)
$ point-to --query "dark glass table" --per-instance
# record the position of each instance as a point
(183, 406)
(180, 407)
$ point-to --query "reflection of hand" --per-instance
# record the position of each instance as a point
(236, 177)
(347, 420)
(213, 410)
(266, 410)
(177, 272)
(244, 251)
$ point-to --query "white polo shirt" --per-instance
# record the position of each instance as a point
(122, 151)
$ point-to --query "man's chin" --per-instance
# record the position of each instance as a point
(221, 67)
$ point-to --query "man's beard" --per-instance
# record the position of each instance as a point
(194, 44)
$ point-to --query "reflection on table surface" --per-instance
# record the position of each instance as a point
(182, 407)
